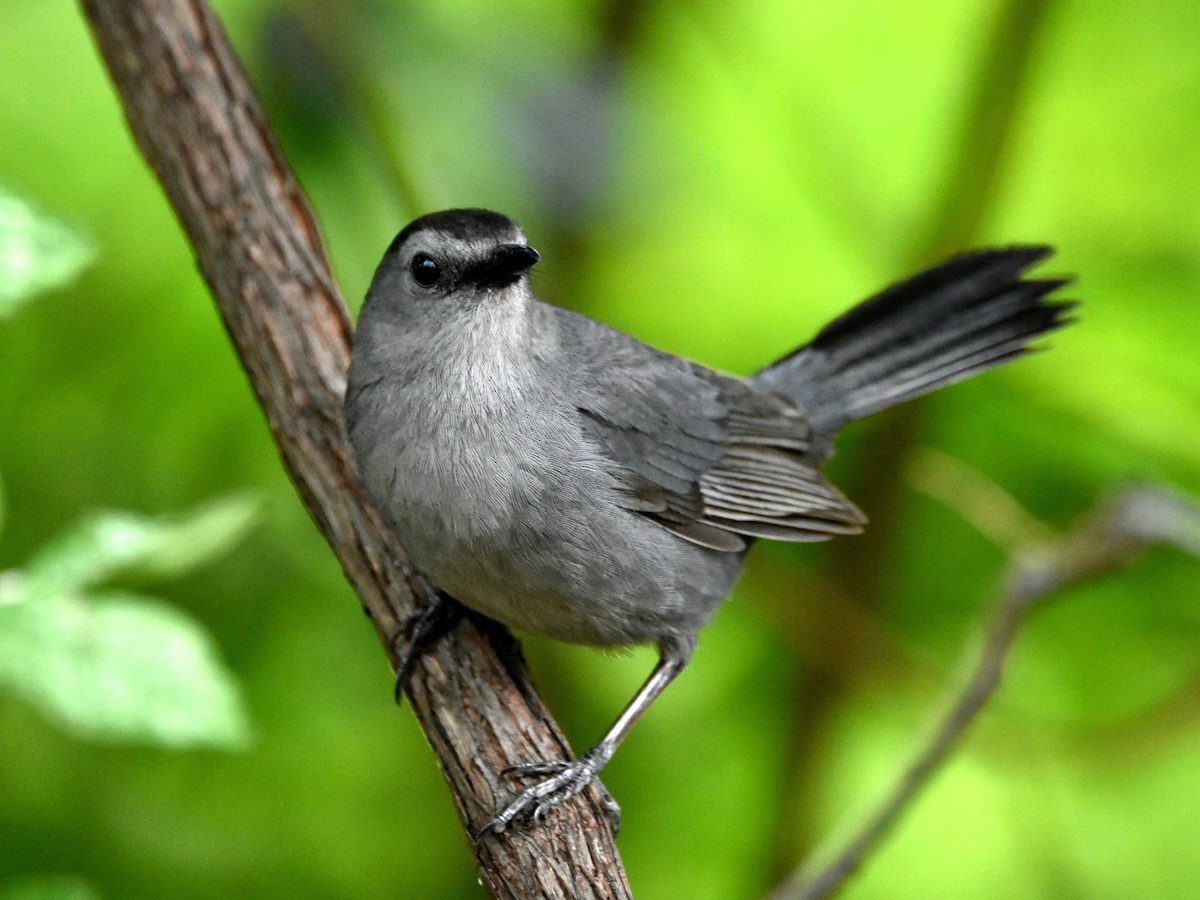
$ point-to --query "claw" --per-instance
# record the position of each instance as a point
(612, 811)
(566, 780)
(420, 630)
(549, 767)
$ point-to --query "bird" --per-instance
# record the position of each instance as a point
(566, 479)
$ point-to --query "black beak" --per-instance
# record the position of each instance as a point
(506, 264)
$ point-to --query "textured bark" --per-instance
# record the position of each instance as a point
(201, 128)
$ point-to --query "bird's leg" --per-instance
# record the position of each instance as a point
(419, 631)
(569, 778)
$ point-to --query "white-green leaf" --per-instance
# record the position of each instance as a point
(37, 253)
(108, 543)
(118, 667)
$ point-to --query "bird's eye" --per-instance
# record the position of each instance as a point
(425, 270)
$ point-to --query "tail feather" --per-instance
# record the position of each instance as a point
(946, 324)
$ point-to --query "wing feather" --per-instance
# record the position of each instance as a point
(711, 458)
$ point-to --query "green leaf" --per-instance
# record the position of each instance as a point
(117, 667)
(37, 253)
(108, 543)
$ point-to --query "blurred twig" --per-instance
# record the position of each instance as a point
(962, 204)
(1108, 539)
(975, 497)
(200, 126)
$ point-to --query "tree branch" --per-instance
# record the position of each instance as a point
(1110, 538)
(201, 128)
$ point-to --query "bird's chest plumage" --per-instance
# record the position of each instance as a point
(467, 478)
(498, 494)
(508, 508)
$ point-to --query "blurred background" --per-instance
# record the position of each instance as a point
(719, 179)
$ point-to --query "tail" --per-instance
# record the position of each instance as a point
(946, 324)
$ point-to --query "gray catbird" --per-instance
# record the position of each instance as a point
(566, 479)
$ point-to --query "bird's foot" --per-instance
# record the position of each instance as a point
(419, 631)
(566, 779)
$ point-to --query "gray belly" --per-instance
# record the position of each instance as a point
(547, 550)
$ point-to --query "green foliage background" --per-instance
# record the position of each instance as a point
(718, 178)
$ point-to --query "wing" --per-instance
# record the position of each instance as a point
(709, 457)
